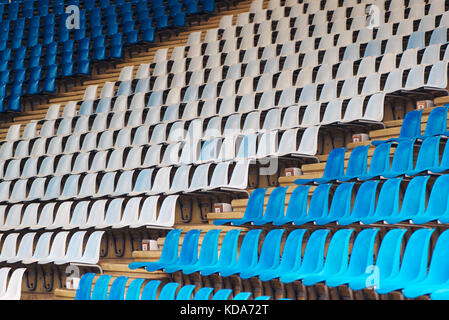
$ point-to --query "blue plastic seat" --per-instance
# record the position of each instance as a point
(334, 168)
(340, 206)
(150, 290)
(168, 256)
(438, 274)
(242, 296)
(208, 254)
(189, 252)
(222, 294)
(442, 294)
(134, 288)
(413, 202)
(387, 203)
(168, 292)
(84, 290)
(436, 123)
(318, 207)
(362, 256)
(380, 162)
(413, 266)
(443, 165)
(203, 293)
(357, 164)
(117, 290)
(336, 258)
(186, 292)
(100, 291)
(248, 254)
(437, 207)
(428, 156)
(275, 207)
(254, 209)
(289, 260)
(402, 160)
(269, 257)
(410, 129)
(387, 262)
(228, 253)
(297, 206)
(312, 261)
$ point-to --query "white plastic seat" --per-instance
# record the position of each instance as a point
(161, 183)
(9, 247)
(45, 215)
(14, 290)
(25, 248)
(112, 215)
(130, 214)
(57, 250)
(61, 217)
(42, 249)
(74, 249)
(13, 217)
(180, 180)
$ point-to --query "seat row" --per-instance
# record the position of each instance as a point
(51, 248)
(137, 289)
(403, 164)
(132, 182)
(132, 212)
(366, 210)
(335, 266)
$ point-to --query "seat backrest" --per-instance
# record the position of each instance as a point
(362, 253)
(338, 252)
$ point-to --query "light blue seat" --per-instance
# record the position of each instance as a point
(357, 164)
(436, 123)
(228, 253)
(336, 258)
(312, 261)
(254, 209)
(411, 128)
(297, 206)
(442, 294)
(443, 165)
(334, 168)
(248, 254)
(169, 253)
(438, 204)
(364, 203)
(134, 288)
(402, 160)
(387, 203)
(438, 274)
(362, 256)
(413, 266)
(84, 290)
(168, 292)
(275, 207)
(150, 290)
(100, 291)
(340, 206)
(117, 290)
(387, 262)
(208, 254)
(318, 207)
(263, 298)
(189, 252)
(222, 294)
(380, 162)
(242, 296)
(289, 260)
(203, 293)
(413, 202)
(269, 257)
(186, 292)
(428, 156)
